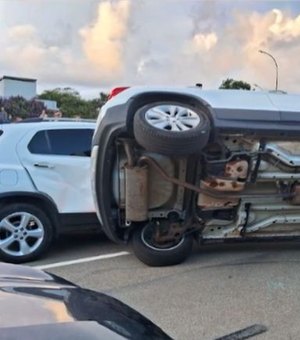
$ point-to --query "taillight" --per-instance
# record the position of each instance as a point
(116, 91)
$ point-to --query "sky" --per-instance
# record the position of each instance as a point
(92, 45)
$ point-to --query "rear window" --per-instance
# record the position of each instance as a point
(65, 142)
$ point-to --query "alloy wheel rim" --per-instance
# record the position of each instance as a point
(173, 118)
(21, 234)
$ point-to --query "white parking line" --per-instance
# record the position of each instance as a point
(81, 260)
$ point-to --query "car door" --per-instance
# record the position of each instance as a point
(58, 161)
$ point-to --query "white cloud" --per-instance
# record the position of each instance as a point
(103, 41)
(285, 28)
(112, 42)
(278, 33)
(204, 42)
(22, 33)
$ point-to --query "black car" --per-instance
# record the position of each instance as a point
(37, 305)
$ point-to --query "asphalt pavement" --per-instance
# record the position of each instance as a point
(218, 290)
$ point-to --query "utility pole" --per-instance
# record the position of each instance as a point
(276, 65)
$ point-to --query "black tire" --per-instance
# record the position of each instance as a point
(157, 257)
(37, 233)
(168, 142)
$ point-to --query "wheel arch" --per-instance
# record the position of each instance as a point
(41, 200)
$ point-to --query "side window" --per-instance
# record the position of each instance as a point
(66, 142)
(40, 144)
(71, 142)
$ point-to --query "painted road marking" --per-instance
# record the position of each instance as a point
(81, 260)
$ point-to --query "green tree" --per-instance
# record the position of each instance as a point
(103, 97)
(71, 104)
(234, 85)
(20, 107)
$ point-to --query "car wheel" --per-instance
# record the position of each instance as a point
(25, 233)
(171, 128)
(158, 254)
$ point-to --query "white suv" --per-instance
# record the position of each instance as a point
(44, 185)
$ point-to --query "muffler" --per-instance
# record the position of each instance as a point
(136, 193)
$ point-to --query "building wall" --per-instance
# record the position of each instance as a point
(12, 87)
(50, 104)
(1, 88)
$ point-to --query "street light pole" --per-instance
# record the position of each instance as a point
(270, 55)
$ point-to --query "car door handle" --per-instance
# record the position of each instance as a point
(44, 165)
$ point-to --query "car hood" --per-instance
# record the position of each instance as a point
(27, 275)
(34, 302)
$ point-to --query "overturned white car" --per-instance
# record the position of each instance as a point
(170, 165)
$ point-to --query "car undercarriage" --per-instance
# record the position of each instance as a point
(243, 188)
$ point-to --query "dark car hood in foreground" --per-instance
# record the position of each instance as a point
(37, 305)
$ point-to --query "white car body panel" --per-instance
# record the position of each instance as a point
(226, 99)
(12, 174)
(66, 180)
